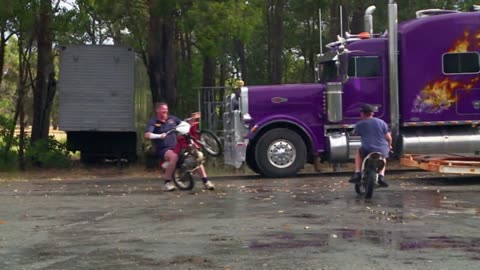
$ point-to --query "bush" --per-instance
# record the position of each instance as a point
(8, 161)
(48, 153)
(7, 158)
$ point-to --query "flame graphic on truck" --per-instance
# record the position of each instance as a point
(461, 45)
(440, 95)
(436, 97)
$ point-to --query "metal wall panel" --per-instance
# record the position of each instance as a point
(96, 88)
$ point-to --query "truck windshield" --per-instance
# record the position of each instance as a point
(328, 71)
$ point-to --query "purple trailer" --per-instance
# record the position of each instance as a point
(421, 75)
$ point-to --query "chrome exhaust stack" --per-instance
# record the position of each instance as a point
(368, 20)
(393, 70)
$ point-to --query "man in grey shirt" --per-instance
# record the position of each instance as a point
(375, 137)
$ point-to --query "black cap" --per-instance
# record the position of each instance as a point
(367, 108)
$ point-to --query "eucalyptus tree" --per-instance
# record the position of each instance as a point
(220, 31)
(161, 50)
(45, 84)
(6, 16)
(302, 39)
(20, 28)
(274, 13)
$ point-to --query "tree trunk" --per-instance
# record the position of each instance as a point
(21, 143)
(153, 55)
(208, 71)
(275, 10)
(207, 93)
(220, 94)
(188, 59)
(170, 63)
(3, 43)
(45, 85)
(162, 65)
(19, 106)
(240, 48)
(22, 78)
(223, 75)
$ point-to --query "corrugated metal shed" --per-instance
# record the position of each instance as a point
(96, 88)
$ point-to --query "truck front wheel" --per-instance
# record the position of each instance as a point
(251, 162)
(280, 152)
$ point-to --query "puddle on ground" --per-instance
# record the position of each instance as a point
(396, 240)
(421, 203)
(390, 207)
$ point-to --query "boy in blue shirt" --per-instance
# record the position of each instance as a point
(375, 137)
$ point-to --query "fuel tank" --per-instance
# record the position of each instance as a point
(456, 140)
(461, 140)
(342, 147)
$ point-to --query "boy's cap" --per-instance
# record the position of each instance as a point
(367, 108)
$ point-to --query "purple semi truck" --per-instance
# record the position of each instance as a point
(422, 76)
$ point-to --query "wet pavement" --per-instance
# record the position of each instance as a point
(422, 221)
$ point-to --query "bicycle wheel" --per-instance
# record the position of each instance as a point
(183, 180)
(359, 189)
(210, 143)
(370, 177)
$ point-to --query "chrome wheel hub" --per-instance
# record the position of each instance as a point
(281, 153)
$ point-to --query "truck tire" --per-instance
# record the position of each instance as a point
(280, 152)
(251, 162)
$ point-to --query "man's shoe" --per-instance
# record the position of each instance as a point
(355, 178)
(209, 185)
(168, 187)
(381, 181)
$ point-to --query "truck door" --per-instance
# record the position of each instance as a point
(365, 84)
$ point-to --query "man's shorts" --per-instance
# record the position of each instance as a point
(161, 153)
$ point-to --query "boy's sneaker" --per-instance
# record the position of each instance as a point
(169, 186)
(209, 185)
(381, 181)
(356, 178)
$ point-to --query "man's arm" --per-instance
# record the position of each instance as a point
(149, 132)
(149, 129)
(153, 136)
(356, 130)
(389, 139)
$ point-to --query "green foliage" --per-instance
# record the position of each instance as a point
(6, 124)
(48, 153)
(216, 23)
(7, 158)
(8, 161)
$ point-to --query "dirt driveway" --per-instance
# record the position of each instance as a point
(311, 222)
